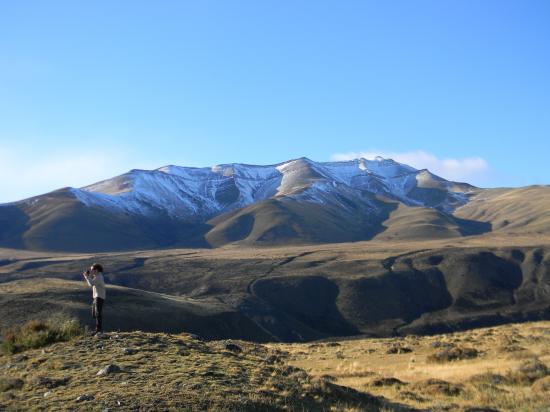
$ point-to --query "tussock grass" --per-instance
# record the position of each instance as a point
(454, 353)
(38, 333)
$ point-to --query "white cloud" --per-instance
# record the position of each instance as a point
(473, 170)
(25, 173)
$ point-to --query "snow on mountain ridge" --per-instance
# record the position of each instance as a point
(198, 193)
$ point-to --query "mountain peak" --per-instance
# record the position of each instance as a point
(302, 159)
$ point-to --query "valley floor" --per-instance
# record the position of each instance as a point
(374, 249)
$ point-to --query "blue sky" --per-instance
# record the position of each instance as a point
(89, 90)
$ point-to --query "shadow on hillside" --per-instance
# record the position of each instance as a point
(472, 227)
(299, 308)
(125, 310)
(396, 297)
(13, 224)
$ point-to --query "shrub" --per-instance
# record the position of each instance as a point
(7, 384)
(528, 372)
(37, 333)
(436, 387)
(454, 353)
(488, 378)
(387, 382)
(541, 385)
(398, 348)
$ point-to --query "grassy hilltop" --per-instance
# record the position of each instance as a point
(147, 371)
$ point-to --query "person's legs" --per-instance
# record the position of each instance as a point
(99, 315)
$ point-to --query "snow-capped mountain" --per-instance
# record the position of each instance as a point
(200, 193)
(190, 200)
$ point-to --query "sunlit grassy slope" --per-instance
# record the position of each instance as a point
(505, 368)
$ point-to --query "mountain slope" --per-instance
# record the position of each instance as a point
(289, 220)
(521, 210)
(416, 223)
(59, 221)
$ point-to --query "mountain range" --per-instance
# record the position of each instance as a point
(299, 201)
(409, 252)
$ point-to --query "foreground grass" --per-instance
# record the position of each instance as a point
(167, 372)
(503, 368)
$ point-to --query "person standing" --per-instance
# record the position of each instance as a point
(94, 278)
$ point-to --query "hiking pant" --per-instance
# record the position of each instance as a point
(97, 311)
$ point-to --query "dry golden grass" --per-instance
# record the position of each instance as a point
(511, 210)
(491, 379)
